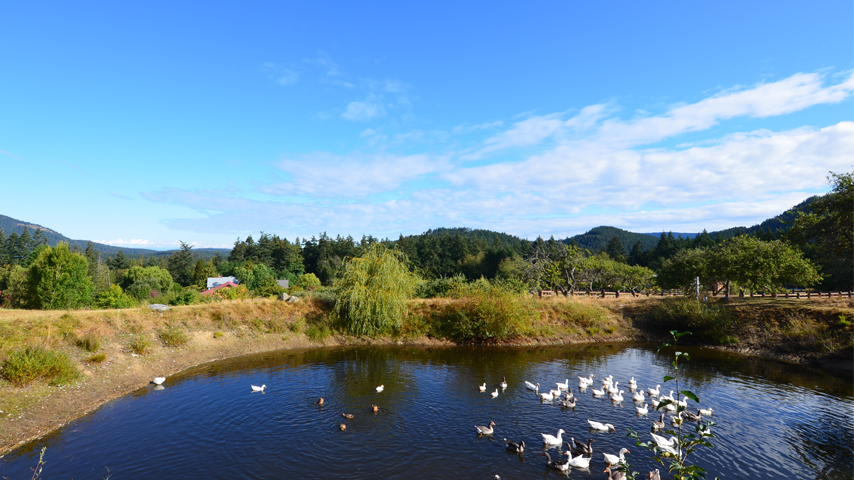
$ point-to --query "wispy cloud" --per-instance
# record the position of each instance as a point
(368, 109)
(123, 197)
(283, 75)
(559, 173)
(4, 152)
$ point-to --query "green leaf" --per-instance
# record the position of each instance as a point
(668, 377)
(690, 395)
(679, 335)
(663, 404)
(663, 345)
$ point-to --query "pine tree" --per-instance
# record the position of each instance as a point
(616, 250)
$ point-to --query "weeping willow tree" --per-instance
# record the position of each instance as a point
(373, 291)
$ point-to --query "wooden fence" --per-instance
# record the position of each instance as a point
(678, 293)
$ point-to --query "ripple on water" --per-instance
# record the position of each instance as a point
(208, 424)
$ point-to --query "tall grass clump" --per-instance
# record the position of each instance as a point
(172, 336)
(89, 342)
(708, 321)
(486, 311)
(26, 365)
(373, 292)
(140, 345)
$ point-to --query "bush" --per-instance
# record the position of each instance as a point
(486, 312)
(440, 287)
(218, 334)
(173, 336)
(144, 289)
(707, 321)
(140, 345)
(374, 289)
(24, 366)
(307, 281)
(58, 279)
(90, 342)
(317, 332)
(187, 296)
(114, 297)
(157, 278)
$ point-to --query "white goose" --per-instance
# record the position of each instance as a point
(553, 440)
(684, 402)
(602, 427)
(495, 393)
(707, 412)
(638, 397)
(598, 393)
(617, 397)
(531, 386)
(548, 397)
(482, 388)
(654, 391)
(613, 459)
(661, 441)
(503, 383)
(380, 388)
(579, 461)
(613, 389)
(258, 389)
(642, 410)
(585, 380)
(654, 402)
(633, 383)
(563, 386)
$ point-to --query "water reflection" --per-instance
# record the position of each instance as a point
(775, 420)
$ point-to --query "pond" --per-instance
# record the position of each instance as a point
(775, 420)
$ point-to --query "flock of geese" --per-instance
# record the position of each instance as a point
(563, 395)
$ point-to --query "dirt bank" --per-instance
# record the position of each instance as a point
(231, 329)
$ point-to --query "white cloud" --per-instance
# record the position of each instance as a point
(283, 75)
(368, 109)
(328, 176)
(579, 170)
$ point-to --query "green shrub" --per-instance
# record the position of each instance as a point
(439, 287)
(307, 281)
(24, 366)
(706, 320)
(611, 329)
(374, 289)
(593, 330)
(173, 336)
(98, 357)
(90, 342)
(486, 312)
(140, 345)
(114, 297)
(317, 332)
(218, 334)
(186, 296)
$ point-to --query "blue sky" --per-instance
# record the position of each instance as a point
(148, 123)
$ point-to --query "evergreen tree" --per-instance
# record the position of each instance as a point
(616, 250)
(636, 256)
(58, 279)
(180, 265)
(119, 261)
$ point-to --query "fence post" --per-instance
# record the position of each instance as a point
(798, 294)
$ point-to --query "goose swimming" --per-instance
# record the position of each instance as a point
(559, 465)
(258, 389)
(503, 383)
(603, 427)
(380, 388)
(551, 439)
(658, 424)
(514, 447)
(531, 386)
(579, 461)
(581, 448)
(481, 430)
(482, 388)
(614, 459)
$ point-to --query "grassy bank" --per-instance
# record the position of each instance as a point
(58, 365)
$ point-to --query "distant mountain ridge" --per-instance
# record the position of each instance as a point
(595, 239)
(11, 225)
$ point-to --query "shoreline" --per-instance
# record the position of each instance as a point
(233, 330)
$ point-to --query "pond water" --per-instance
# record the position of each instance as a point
(775, 420)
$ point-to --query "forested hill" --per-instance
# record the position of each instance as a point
(488, 236)
(597, 239)
(11, 226)
(773, 226)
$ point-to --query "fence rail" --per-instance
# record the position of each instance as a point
(677, 293)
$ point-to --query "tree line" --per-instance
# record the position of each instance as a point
(816, 248)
